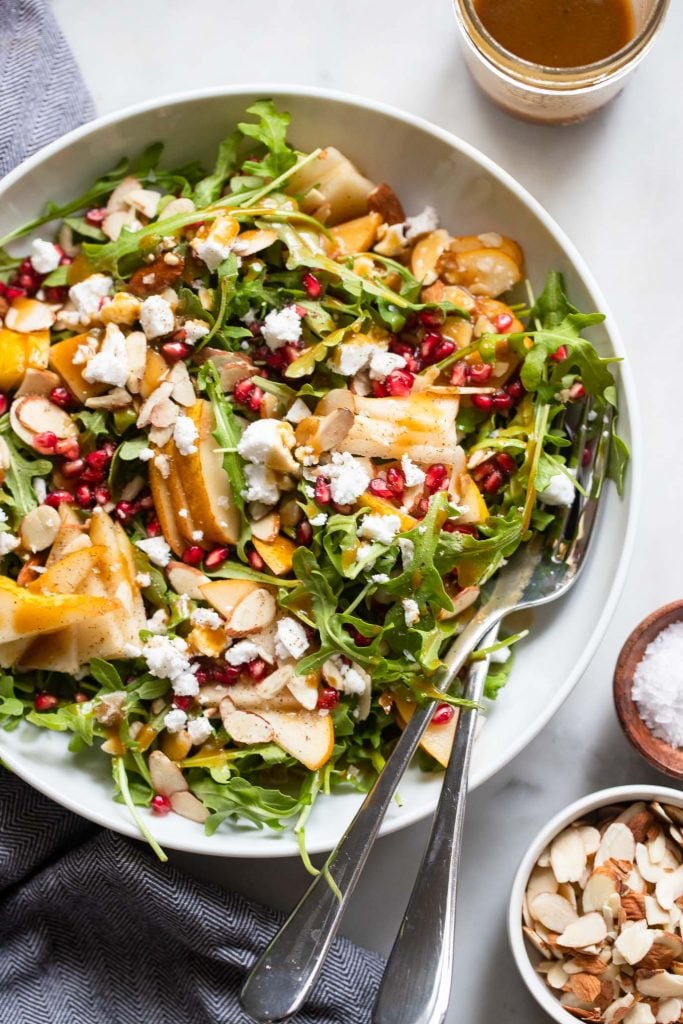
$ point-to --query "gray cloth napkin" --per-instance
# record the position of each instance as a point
(93, 929)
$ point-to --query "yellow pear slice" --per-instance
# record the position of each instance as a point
(23, 613)
(57, 652)
(306, 735)
(438, 739)
(207, 488)
(165, 510)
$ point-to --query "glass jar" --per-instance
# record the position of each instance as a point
(553, 95)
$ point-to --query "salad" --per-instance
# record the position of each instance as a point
(264, 441)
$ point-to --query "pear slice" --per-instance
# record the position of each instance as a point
(165, 510)
(57, 652)
(207, 488)
(24, 614)
(306, 735)
(437, 740)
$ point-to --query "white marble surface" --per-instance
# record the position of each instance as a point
(614, 184)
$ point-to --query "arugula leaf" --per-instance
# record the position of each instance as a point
(20, 474)
(209, 189)
(619, 458)
(106, 675)
(271, 131)
(240, 798)
(11, 706)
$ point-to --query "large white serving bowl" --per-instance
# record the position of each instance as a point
(425, 165)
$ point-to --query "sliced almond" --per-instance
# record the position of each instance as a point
(568, 856)
(633, 905)
(183, 389)
(540, 880)
(305, 690)
(244, 726)
(585, 987)
(267, 528)
(617, 844)
(166, 776)
(37, 382)
(617, 1010)
(659, 984)
(556, 976)
(34, 414)
(249, 242)
(187, 805)
(255, 612)
(185, 579)
(655, 914)
(553, 911)
(276, 682)
(600, 886)
(585, 931)
(588, 963)
(39, 528)
(590, 837)
(539, 944)
(641, 1013)
(656, 847)
(650, 872)
(669, 1010)
(666, 949)
(668, 888)
(634, 942)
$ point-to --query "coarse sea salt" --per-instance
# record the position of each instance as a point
(658, 685)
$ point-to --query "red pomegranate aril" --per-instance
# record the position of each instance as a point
(95, 216)
(64, 260)
(358, 638)
(444, 350)
(304, 533)
(97, 460)
(506, 463)
(160, 805)
(202, 676)
(242, 390)
(436, 478)
(109, 449)
(61, 397)
(465, 528)
(321, 492)
(327, 699)
(92, 476)
(494, 481)
(57, 498)
(184, 703)
(46, 442)
(515, 389)
(174, 351)
(225, 674)
(12, 292)
(45, 702)
(483, 470)
(4, 404)
(502, 322)
(480, 373)
(312, 285)
(560, 354)
(300, 311)
(80, 697)
(193, 555)
(29, 282)
(482, 402)
(255, 560)
(380, 488)
(102, 495)
(430, 344)
(399, 383)
(586, 455)
(216, 557)
(153, 528)
(291, 352)
(501, 401)
(255, 399)
(73, 468)
(55, 293)
(145, 503)
(430, 317)
(443, 714)
(256, 669)
(378, 389)
(396, 481)
(68, 448)
(459, 375)
(84, 496)
(422, 508)
(124, 511)
(577, 391)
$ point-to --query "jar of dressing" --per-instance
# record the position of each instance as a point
(556, 61)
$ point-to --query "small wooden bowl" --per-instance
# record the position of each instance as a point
(660, 754)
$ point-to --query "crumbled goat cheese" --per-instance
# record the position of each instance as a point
(265, 438)
(319, 520)
(216, 246)
(411, 611)
(560, 491)
(175, 720)
(500, 656)
(8, 542)
(407, 549)
(185, 434)
(380, 577)
(298, 411)
(291, 639)
(156, 317)
(382, 528)
(163, 464)
(199, 729)
(351, 358)
(383, 363)
(143, 579)
(281, 326)
(3, 516)
(158, 622)
(241, 653)
(156, 549)
(250, 317)
(197, 535)
(146, 455)
(421, 223)
(392, 240)
(86, 295)
(168, 659)
(194, 330)
(183, 513)
(206, 617)
(45, 256)
(413, 474)
(40, 487)
(110, 364)
(352, 681)
(348, 478)
(261, 485)
(658, 685)
(85, 351)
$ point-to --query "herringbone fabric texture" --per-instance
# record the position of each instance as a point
(93, 930)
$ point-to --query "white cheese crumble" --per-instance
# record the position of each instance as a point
(3, 516)
(156, 317)
(45, 256)
(194, 330)
(291, 639)
(500, 656)
(261, 485)
(348, 478)
(411, 611)
(175, 720)
(380, 577)
(156, 549)
(413, 474)
(183, 513)
(86, 295)
(110, 364)
(158, 622)
(143, 579)
(383, 363)
(199, 729)
(8, 542)
(281, 326)
(407, 549)
(352, 357)
(421, 223)
(167, 658)
(206, 617)
(297, 411)
(146, 455)
(40, 487)
(185, 434)
(267, 442)
(163, 464)
(381, 528)
(197, 535)
(560, 491)
(351, 681)
(241, 653)
(216, 246)
(319, 520)
(392, 240)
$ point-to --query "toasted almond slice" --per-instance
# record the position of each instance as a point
(650, 872)
(166, 776)
(676, 835)
(255, 612)
(634, 942)
(617, 843)
(568, 856)
(659, 984)
(666, 950)
(544, 858)
(633, 905)
(539, 944)
(635, 881)
(617, 1010)
(668, 888)
(553, 911)
(631, 812)
(601, 885)
(568, 891)
(590, 837)
(654, 914)
(39, 528)
(588, 963)
(34, 414)
(540, 880)
(187, 805)
(275, 682)
(585, 931)
(585, 987)
(669, 1010)
(675, 813)
(641, 1013)
(244, 726)
(677, 967)
(268, 528)
(186, 580)
(183, 389)
(305, 690)
(657, 847)
(556, 976)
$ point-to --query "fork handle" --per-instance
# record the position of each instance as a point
(416, 985)
(282, 978)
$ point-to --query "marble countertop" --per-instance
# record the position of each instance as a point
(614, 184)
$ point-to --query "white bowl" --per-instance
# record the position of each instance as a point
(425, 165)
(525, 958)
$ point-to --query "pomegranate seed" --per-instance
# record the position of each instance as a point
(28, 282)
(459, 375)
(98, 460)
(92, 476)
(201, 676)
(429, 347)
(109, 449)
(501, 401)
(430, 317)
(184, 703)
(443, 714)
(256, 669)
(160, 805)
(378, 389)
(64, 260)
(4, 404)
(291, 351)
(379, 487)
(80, 697)
(193, 555)
(102, 495)
(144, 504)
(68, 448)
(55, 293)
(506, 464)
(482, 402)
(255, 398)
(301, 311)
(502, 323)
(322, 493)
(577, 391)
(399, 383)
(61, 397)
(358, 638)
(96, 215)
(57, 498)
(179, 335)
(124, 511)
(422, 508)
(304, 533)
(479, 373)
(84, 496)
(225, 674)
(243, 389)
(312, 285)
(12, 292)
(153, 528)
(46, 442)
(3, 287)
(444, 350)
(255, 560)
(586, 456)
(494, 481)
(465, 528)
(560, 354)
(45, 702)
(396, 481)
(216, 557)
(73, 468)
(484, 470)
(515, 389)
(327, 699)
(436, 478)
(175, 350)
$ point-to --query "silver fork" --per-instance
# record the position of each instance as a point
(538, 573)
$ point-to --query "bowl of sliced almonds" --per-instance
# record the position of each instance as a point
(596, 912)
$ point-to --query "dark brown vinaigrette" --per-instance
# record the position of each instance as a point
(559, 33)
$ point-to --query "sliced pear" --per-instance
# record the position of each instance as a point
(472, 500)
(165, 510)
(12, 651)
(277, 553)
(208, 491)
(247, 607)
(437, 740)
(184, 517)
(332, 180)
(67, 575)
(357, 235)
(57, 652)
(62, 361)
(70, 538)
(156, 370)
(421, 426)
(25, 614)
(488, 272)
(385, 508)
(306, 735)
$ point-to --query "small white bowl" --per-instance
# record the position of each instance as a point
(525, 957)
